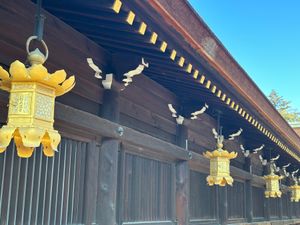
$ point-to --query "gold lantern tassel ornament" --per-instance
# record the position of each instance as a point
(31, 103)
(219, 163)
(272, 183)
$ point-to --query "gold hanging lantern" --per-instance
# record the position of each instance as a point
(295, 193)
(31, 104)
(220, 164)
(295, 189)
(272, 185)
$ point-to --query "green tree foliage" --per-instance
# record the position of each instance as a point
(284, 107)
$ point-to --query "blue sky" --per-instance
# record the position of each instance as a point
(263, 36)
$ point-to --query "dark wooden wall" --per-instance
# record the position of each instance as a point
(197, 141)
(236, 201)
(147, 189)
(143, 106)
(257, 200)
(203, 199)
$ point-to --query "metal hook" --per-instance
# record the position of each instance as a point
(43, 43)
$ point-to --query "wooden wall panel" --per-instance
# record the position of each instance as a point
(200, 134)
(258, 202)
(203, 198)
(294, 206)
(147, 190)
(236, 201)
(143, 106)
(257, 167)
(274, 208)
(295, 209)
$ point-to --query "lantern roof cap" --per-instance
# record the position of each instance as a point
(220, 153)
(36, 73)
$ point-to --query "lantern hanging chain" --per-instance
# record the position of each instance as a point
(39, 21)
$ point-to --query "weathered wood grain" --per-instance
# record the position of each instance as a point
(108, 176)
(182, 179)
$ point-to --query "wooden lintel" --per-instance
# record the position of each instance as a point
(99, 126)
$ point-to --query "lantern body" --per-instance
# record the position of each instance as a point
(295, 193)
(31, 107)
(220, 167)
(272, 186)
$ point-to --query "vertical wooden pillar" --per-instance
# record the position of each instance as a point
(110, 108)
(182, 181)
(249, 192)
(248, 164)
(91, 184)
(223, 205)
(108, 170)
(108, 182)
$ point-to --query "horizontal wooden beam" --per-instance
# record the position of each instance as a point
(99, 126)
